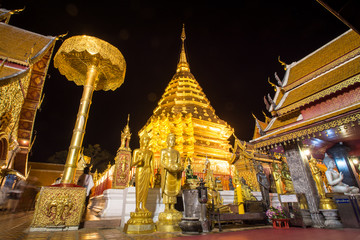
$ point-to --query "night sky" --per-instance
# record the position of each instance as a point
(232, 49)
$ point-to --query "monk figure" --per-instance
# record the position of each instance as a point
(264, 185)
(172, 168)
(143, 160)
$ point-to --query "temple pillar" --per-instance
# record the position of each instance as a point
(303, 181)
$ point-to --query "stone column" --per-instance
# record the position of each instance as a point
(303, 181)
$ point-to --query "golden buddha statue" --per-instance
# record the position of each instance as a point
(316, 173)
(246, 191)
(286, 178)
(143, 161)
(277, 178)
(214, 195)
(140, 221)
(171, 171)
(325, 203)
(157, 181)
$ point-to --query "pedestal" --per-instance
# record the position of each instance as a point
(227, 196)
(59, 208)
(121, 202)
(190, 225)
(331, 218)
(114, 201)
(139, 223)
(169, 221)
(274, 200)
(191, 203)
(306, 217)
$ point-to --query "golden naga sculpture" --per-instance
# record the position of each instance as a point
(171, 170)
(286, 178)
(140, 221)
(325, 203)
(277, 178)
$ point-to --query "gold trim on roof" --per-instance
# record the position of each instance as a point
(326, 92)
(16, 74)
(323, 69)
(274, 139)
(20, 46)
(339, 47)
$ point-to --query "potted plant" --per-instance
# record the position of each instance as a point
(278, 217)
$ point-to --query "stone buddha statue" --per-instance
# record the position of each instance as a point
(335, 178)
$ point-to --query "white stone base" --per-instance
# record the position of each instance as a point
(114, 202)
(274, 200)
(227, 196)
(331, 218)
(121, 202)
(54, 229)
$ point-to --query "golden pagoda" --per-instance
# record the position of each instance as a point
(185, 111)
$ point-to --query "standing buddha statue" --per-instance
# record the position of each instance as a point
(286, 178)
(325, 203)
(277, 178)
(171, 171)
(140, 221)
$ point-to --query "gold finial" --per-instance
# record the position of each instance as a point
(16, 11)
(183, 64)
(61, 36)
(183, 35)
(272, 84)
(282, 63)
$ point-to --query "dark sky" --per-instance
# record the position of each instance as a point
(232, 49)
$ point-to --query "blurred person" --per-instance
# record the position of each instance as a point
(86, 180)
(15, 194)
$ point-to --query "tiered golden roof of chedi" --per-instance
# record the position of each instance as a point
(185, 111)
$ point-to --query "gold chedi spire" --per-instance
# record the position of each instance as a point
(185, 111)
(183, 65)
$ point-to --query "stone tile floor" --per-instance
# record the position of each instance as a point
(16, 227)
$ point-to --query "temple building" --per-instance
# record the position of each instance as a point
(316, 108)
(24, 61)
(185, 111)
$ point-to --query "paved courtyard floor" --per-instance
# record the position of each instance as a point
(16, 226)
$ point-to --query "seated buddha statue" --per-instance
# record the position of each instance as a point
(335, 178)
(246, 191)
